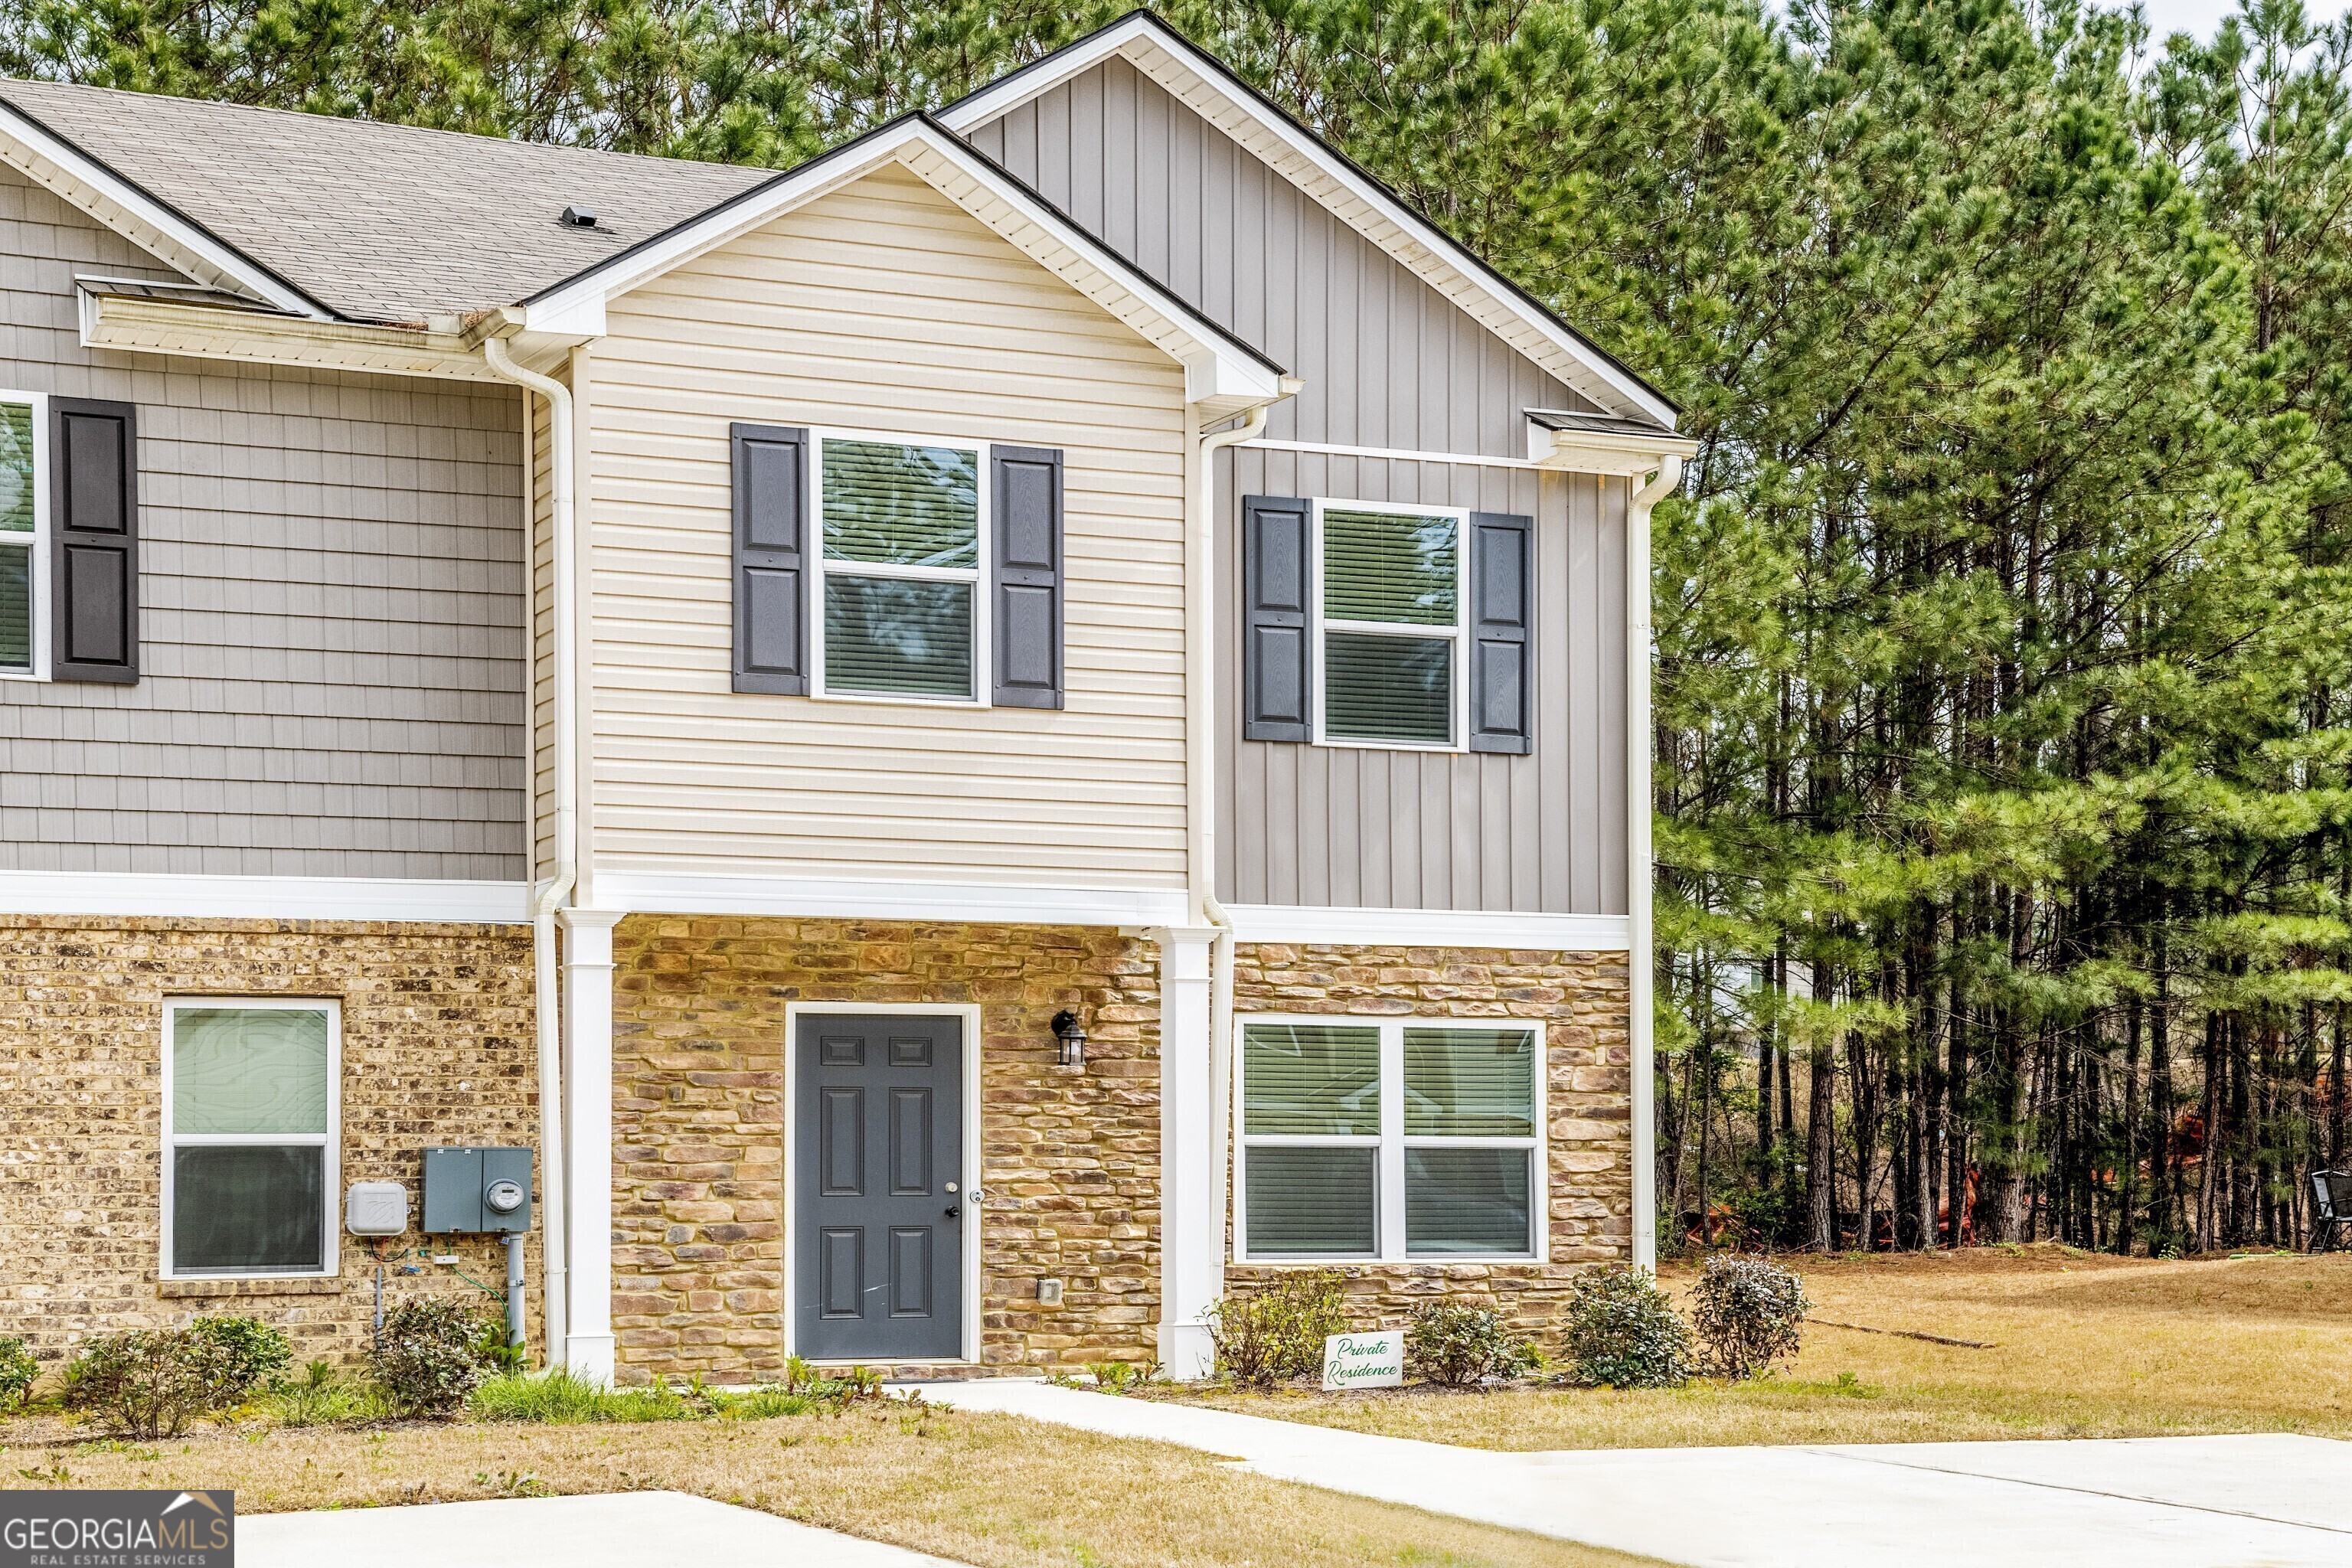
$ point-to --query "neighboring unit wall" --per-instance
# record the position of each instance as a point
(436, 1049)
(1363, 826)
(883, 307)
(1069, 1159)
(1388, 364)
(331, 680)
(1588, 1102)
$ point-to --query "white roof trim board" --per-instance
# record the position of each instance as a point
(87, 184)
(1219, 369)
(1149, 45)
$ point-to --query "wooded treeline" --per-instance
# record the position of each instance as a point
(2004, 759)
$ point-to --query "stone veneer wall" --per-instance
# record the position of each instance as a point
(1581, 998)
(438, 1048)
(1069, 1159)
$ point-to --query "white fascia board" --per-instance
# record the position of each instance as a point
(1300, 925)
(217, 331)
(1372, 212)
(861, 899)
(89, 185)
(1602, 452)
(141, 893)
(956, 173)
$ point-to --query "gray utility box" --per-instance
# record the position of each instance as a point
(476, 1190)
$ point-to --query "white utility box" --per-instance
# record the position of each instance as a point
(376, 1208)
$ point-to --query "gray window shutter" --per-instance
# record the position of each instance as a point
(94, 500)
(1277, 643)
(771, 542)
(1502, 632)
(1025, 500)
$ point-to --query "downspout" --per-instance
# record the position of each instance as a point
(1641, 965)
(1200, 777)
(566, 870)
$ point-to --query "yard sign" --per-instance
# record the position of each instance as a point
(1364, 1361)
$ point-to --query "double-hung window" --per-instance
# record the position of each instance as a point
(1388, 618)
(904, 532)
(1373, 1139)
(24, 554)
(250, 1146)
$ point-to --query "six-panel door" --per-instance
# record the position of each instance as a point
(878, 1178)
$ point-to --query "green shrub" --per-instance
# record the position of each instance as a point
(151, 1382)
(322, 1396)
(18, 1371)
(1623, 1332)
(1747, 1313)
(252, 1352)
(432, 1356)
(1460, 1344)
(1279, 1330)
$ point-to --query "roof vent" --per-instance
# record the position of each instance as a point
(579, 217)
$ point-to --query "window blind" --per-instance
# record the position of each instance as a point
(901, 504)
(1311, 1080)
(1383, 566)
(253, 1071)
(1388, 689)
(1469, 1083)
(17, 529)
(897, 635)
(1313, 1201)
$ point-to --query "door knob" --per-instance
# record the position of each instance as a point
(953, 1211)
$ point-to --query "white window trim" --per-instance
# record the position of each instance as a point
(984, 629)
(39, 540)
(1458, 701)
(332, 1139)
(1389, 1212)
(973, 1175)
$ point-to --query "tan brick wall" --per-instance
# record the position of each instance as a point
(1069, 1159)
(438, 1048)
(1581, 998)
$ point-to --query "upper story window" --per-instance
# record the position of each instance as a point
(24, 559)
(899, 568)
(1367, 624)
(901, 524)
(1389, 1139)
(250, 1145)
(1390, 618)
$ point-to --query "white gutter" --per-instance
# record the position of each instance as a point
(566, 840)
(1641, 967)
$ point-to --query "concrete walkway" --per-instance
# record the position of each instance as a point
(2264, 1501)
(623, 1530)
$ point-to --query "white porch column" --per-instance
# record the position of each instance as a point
(1192, 1218)
(588, 1139)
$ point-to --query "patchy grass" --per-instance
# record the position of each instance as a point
(992, 1490)
(2086, 1346)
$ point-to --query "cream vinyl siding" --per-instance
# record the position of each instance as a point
(882, 307)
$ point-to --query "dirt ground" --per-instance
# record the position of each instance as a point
(2084, 1346)
(990, 1491)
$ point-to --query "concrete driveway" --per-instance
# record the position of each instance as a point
(2263, 1502)
(624, 1530)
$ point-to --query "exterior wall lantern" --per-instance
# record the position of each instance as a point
(1073, 1037)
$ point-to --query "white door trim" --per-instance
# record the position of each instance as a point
(970, 1178)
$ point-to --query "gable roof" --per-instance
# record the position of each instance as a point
(1209, 87)
(369, 221)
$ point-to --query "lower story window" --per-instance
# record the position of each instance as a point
(250, 1153)
(1389, 1139)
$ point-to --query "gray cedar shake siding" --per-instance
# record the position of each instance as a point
(1388, 364)
(333, 613)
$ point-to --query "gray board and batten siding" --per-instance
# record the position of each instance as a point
(331, 611)
(1388, 364)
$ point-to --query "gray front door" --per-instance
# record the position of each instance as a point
(878, 1175)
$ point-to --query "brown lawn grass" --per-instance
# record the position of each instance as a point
(2088, 1346)
(992, 1490)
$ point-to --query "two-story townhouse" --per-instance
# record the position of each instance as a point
(975, 741)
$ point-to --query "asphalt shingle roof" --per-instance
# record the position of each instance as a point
(380, 222)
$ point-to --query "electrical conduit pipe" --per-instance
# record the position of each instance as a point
(1641, 968)
(559, 885)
